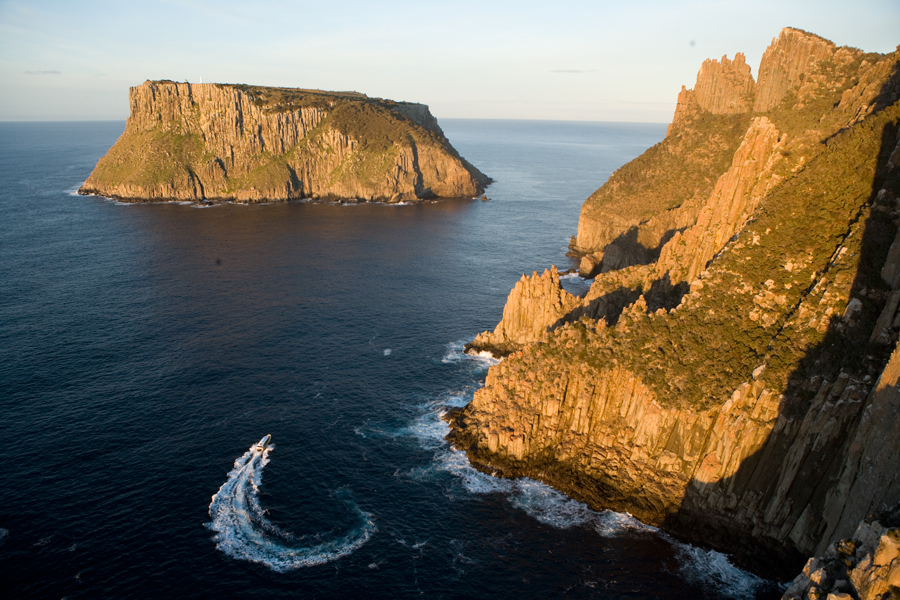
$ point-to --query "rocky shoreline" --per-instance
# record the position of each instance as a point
(731, 375)
(396, 201)
(865, 566)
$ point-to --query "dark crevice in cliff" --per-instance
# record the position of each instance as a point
(846, 345)
(661, 294)
(627, 250)
(195, 181)
(295, 184)
(608, 307)
(664, 294)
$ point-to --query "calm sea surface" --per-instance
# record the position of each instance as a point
(145, 349)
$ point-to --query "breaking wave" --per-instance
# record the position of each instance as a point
(243, 531)
(712, 570)
(536, 499)
(456, 353)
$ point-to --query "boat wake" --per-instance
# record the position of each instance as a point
(243, 531)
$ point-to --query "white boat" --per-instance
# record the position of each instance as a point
(264, 443)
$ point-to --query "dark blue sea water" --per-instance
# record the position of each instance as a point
(144, 349)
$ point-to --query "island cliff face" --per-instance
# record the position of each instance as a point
(254, 144)
(732, 373)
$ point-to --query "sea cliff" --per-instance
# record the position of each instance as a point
(244, 143)
(731, 375)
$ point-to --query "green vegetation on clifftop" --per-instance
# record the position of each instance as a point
(796, 261)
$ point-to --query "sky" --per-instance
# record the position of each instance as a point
(562, 60)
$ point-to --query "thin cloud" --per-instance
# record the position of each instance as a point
(43, 72)
(572, 70)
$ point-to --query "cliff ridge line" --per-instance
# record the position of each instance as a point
(802, 79)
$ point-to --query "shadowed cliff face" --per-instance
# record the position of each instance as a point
(727, 391)
(830, 456)
(250, 144)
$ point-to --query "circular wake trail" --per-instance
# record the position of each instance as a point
(244, 532)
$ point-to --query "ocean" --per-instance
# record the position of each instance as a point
(146, 348)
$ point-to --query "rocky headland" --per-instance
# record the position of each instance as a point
(732, 374)
(202, 142)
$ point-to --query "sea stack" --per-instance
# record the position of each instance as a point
(196, 142)
(732, 374)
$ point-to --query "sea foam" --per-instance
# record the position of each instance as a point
(536, 499)
(712, 570)
(479, 362)
(575, 283)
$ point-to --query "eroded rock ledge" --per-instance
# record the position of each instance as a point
(865, 566)
(255, 144)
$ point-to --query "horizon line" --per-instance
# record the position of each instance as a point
(101, 120)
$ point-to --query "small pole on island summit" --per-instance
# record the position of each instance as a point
(201, 80)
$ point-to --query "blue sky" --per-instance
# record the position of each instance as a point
(594, 61)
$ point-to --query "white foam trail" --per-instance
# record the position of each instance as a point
(106, 198)
(556, 509)
(243, 531)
